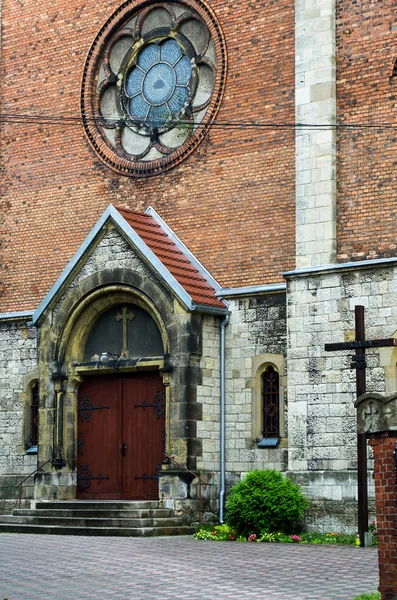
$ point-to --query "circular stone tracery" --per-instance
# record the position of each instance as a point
(154, 80)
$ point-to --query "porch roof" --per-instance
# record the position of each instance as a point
(161, 249)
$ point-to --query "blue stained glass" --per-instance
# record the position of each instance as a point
(170, 52)
(159, 84)
(183, 71)
(178, 99)
(134, 83)
(148, 57)
(139, 108)
(158, 115)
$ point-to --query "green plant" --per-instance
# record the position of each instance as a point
(204, 534)
(372, 527)
(375, 596)
(224, 532)
(268, 537)
(266, 502)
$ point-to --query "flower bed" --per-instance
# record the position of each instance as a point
(223, 533)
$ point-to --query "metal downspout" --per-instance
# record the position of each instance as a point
(224, 324)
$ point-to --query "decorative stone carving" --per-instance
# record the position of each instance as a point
(376, 412)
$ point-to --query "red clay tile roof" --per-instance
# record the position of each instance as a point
(177, 263)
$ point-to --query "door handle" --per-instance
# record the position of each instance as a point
(123, 449)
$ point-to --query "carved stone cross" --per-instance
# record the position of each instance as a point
(371, 414)
(124, 316)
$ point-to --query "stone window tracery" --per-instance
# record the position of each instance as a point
(153, 84)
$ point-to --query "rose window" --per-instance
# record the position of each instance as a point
(152, 85)
(157, 88)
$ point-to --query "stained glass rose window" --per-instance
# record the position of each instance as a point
(157, 88)
(152, 85)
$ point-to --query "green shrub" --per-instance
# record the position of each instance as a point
(265, 502)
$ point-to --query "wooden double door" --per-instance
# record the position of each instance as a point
(120, 439)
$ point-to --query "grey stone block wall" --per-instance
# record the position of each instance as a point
(18, 356)
(322, 388)
(112, 252)
(257, 326)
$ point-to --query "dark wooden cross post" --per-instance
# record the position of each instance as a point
(360, 345)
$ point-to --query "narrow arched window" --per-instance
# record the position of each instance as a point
(34, 417)
(271, 403)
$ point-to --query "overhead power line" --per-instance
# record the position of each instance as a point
(46, 119)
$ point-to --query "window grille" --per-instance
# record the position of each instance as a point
(34, 417)
(271, 403)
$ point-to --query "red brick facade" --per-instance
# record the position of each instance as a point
(231, 201)
(386, 511)
(366, 94)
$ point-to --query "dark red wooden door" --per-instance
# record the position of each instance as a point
(120, 437)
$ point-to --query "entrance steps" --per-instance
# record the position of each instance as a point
(138, 518)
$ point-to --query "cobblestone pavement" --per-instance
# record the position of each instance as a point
(42, 567)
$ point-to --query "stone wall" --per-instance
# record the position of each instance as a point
(18, 357)
(112, 252)
(315, 102)
(321, 418)
(257, 328)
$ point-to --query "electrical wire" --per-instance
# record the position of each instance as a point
(46, 119)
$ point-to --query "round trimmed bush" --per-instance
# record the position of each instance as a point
(265, 501)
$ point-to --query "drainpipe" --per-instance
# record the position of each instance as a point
(224, 324)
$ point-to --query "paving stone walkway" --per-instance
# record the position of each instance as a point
(42, 567)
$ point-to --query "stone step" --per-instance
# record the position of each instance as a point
(98, 504)
(98, 513)
(92, 517)
(97, 531)
(90, 522)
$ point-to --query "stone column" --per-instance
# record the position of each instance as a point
(377, 417)
(315, 104)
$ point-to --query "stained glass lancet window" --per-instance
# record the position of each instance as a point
(271, 403)
(34, 417)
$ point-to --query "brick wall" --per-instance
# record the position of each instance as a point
(231, 201)
(386, 502)
(366, 94)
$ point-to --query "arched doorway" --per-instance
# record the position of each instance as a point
(120, 403)
(121, 436)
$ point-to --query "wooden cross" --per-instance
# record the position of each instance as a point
(124, 316)
(360, 345)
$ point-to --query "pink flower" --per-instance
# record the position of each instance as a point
(296, 538)
(252, 537)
